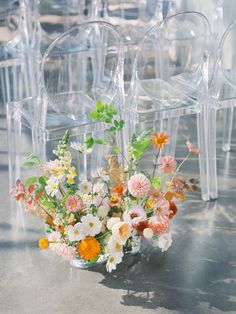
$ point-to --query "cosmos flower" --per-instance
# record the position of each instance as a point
(135, 214)
(91, 224)
(159, 139)
(168, 164)
(81, 148)
(73, 203)
(113, 260)
(192, 148)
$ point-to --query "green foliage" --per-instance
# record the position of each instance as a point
(89, 142)
(103, 112)
(63, 145)
(156, 182)
(31, 181)
(139, 145)
(31, 161)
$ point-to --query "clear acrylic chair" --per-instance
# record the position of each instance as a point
(222, 94)
(170, 79)
(67, 96)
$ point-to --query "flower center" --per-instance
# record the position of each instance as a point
(76, 231)
(91, 224)
(112, 259)
(124, 231)
(133, 215)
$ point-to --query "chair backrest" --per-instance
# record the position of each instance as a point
(83, 65)
(170, 68)
(223, 84)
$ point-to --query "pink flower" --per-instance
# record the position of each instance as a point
(168, 164)
(135, 214)
(64, 250)
(159, 224)
(192, 148)
(162, 207)
(155, 194)
(73, 203)
(139, 185)
(54, 237)
(164, 241)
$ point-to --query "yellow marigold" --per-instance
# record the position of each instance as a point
(89, 248)
(43, 243)
(159, 139)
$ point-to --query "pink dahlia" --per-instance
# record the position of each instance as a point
(73, 203)
(139, 185)
(64, 250)
(168, 164)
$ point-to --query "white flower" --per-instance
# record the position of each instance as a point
(82, 148)
(101, 172)
(92, 225)
(98, 188)
(52, 186)
(112, 221)
(113, 260)
(98, 201)
(121, 231)
(164, 241)
(113, 246)
(55, 168)
(135, 214)
(103, 211)
(85, 187)
(76, 232)
(148, 233)
(57, 221)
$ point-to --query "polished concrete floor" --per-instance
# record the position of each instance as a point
(196, 275)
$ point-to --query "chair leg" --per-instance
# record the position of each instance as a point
(14, 144)
(227, 128)
(172, 130)
(213, 188)
(203, 156)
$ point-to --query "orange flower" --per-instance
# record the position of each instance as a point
(169, 196)
(159, 139)
(89, 248)
(173, 209)
(118, 189)
(179, 195)
(43, 243)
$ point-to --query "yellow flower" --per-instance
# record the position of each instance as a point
(43, 243)
(70, 179)
(72, 171)
(150, 203)
(89, 248)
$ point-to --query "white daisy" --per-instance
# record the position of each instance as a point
(52, 186)
(114, 246)
(85, 187)
(76, 232)
(113, 260)
(112, 221)
(81, 148)
(92, 225)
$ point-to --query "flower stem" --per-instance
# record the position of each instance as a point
(155, 164)
(180, 165)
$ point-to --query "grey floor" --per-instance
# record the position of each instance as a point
(196, 275)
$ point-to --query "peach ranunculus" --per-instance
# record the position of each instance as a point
(121, 231)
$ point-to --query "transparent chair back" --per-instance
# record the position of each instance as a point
(170, 79)
(223, 84)
(82, 66)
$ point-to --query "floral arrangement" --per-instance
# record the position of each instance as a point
(104, 214)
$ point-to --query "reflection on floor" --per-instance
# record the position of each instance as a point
(197, 274)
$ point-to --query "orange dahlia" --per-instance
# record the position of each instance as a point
(89, 248)
(159, 139)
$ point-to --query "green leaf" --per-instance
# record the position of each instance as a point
(156, 182)
(115, 149)
(89, 142)
(112, 129)
(121, 124)
(31, 161)
(116, 123)
(92, 261)
(99, 106)
(99, 142)
(42, 181)
(31, 181)
(94, 115)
